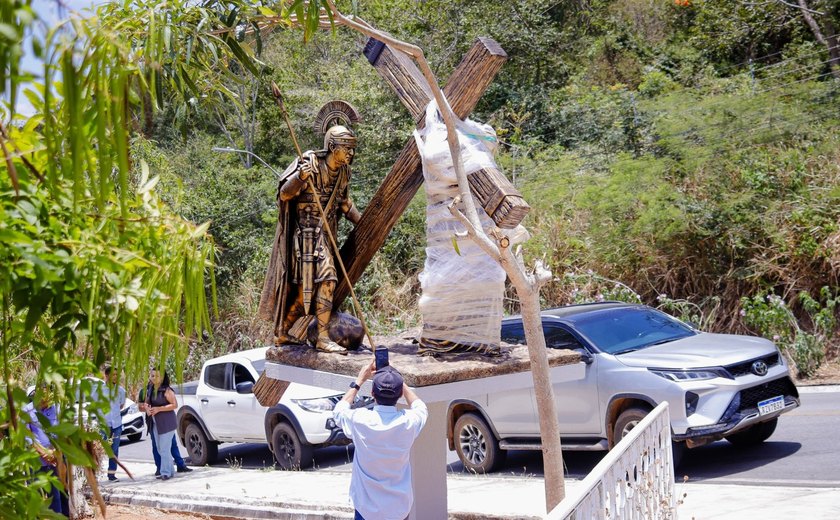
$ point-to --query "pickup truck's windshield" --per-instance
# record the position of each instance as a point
(616, 331)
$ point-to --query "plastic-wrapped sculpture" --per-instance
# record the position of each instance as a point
(462, 286)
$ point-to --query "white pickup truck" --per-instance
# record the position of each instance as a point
(221, 407)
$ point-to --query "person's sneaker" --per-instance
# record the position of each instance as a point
(165, 477)
(157, 473)
(113, 478)
(184, 469)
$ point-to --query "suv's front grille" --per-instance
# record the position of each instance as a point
(742, 369)
(745, 404)
(750, 397)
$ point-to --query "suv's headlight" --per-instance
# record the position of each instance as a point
(319, 404)
(132, 409)
(687, 375)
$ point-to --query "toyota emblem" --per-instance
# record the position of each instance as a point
(759, 368)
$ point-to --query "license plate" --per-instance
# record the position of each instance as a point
(774, 404)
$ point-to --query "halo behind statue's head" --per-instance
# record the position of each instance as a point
(334, 121)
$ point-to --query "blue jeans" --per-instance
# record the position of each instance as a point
(59, 502)
(167, 462)
(116, 433)
(176, 454)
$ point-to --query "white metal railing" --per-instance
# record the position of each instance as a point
(635, 480)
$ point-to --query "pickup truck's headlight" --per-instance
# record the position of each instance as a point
(687, 375)
(320, 404)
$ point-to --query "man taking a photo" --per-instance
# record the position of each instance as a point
(380, 486)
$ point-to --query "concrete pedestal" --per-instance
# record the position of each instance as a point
(428, 455)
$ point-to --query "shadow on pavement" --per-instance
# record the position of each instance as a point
(719, 459)
(722, 459)
(258, 456)
(530, 463)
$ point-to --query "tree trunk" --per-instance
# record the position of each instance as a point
(527, 287)
(79, 507)
(833, 49)
(830, 42)
(555, 485)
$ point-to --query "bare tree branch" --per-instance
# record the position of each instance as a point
(800, 6)
(806, 13)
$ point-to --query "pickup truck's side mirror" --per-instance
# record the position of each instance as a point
(245, 388)
(585, 355)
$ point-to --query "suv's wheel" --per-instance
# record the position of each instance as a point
(200, 449)
(475, 444)
(134, 437)
(755, 434)
(630, 418)
(289, 451)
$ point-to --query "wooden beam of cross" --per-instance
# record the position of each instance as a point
(463, 90)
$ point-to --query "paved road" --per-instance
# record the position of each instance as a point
(802, 451)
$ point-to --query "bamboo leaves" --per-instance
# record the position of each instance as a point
(14, 17)
(93, 266)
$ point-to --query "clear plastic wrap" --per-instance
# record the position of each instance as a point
(463, 288)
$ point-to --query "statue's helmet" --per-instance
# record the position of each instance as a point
(339, 135)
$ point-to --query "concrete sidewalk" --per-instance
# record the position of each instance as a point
(304, 495)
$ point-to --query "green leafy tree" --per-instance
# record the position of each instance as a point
(93, 266)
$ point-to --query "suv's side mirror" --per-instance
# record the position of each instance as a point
(585, 355)
(245, 388)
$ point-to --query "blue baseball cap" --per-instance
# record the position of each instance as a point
(387, 386)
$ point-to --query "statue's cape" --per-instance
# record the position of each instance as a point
(273, 299)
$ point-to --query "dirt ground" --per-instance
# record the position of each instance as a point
(828, 374)
(121, 512)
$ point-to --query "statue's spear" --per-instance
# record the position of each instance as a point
(278, 97)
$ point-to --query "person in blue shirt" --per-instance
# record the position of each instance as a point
(380, 485)
(115, 394)
(39, 417)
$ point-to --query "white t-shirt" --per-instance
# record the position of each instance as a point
(380, 486)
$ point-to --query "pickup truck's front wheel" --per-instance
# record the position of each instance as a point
(289, 451)
(200, 449)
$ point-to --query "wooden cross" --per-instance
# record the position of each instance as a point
(463, 90)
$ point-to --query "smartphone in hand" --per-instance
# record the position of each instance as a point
(381, 356)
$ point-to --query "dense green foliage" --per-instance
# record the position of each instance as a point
(687, 149)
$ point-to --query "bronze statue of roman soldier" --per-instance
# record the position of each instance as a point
(302, 273)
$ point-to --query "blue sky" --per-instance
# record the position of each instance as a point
(50, 12)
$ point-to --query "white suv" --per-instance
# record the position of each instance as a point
(717, 386)
(221, 407)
